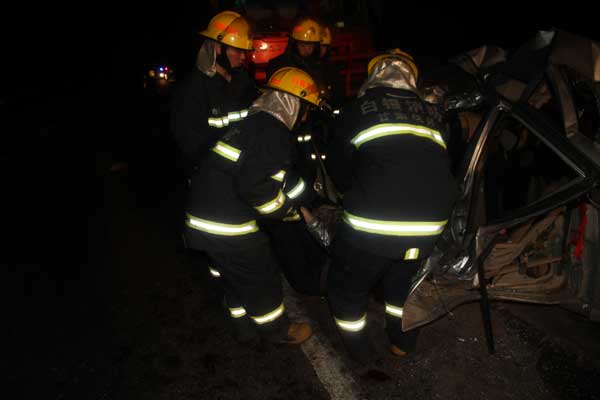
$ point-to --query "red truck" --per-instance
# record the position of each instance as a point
(351, 49)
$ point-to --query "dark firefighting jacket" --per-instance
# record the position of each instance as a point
(290, 58)
(333, 82)
(244, 178)
(305, 156)
(203, 106)
(325, 73)
(389, 161)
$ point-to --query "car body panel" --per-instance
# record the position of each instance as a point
(547, 251)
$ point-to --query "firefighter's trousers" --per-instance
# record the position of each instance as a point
(353, 274)
(252, 285)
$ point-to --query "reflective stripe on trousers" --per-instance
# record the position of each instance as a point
(217, 228)
(270, 316)
(394, 311)
(352, 326)
(237, 312)
(394, 228)
(383, 130)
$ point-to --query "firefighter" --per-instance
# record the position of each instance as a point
(217, 92)
(332, 82)
(302, 260)
(325, 41)
(243, 180)
(214, 95)
(302, 50)
(389, 161)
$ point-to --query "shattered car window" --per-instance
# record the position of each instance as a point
(519, 170)
(586, 95)
(525, 227)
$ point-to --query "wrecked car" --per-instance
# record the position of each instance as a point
(525, 228)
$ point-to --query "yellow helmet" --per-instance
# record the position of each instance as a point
(395, 53)
(231, 29)
(325, 36)
(297, 82)
(307, 30)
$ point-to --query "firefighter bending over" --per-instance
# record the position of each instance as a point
(389, 160)
(241, 181)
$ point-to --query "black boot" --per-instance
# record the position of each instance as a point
(244, 330)
(358, 346)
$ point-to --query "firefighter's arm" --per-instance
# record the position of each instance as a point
(255, 183)
(190, 121)
(298, 188)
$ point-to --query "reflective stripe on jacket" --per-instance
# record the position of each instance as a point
(394, 228)
(389, 159)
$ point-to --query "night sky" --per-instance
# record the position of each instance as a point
(111, 40)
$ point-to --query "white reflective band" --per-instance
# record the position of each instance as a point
(272, 316)
(227, 151)
(214, 272)
(217, 122)
(234, 116)
(352, 326)
(230, 117)
(412, 254)
(307, 138)
(279, 176)
(237, 312)
(393, 310)
(336, 112)
(394, 228)
(297, 190)
(220, 229)
(383, 130)
(292, 218)
(272, 205)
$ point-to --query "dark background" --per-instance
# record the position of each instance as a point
(71, 104)
(59, 47)
(72, 101)
(71, 90)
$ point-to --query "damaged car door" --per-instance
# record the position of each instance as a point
(527, 213)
